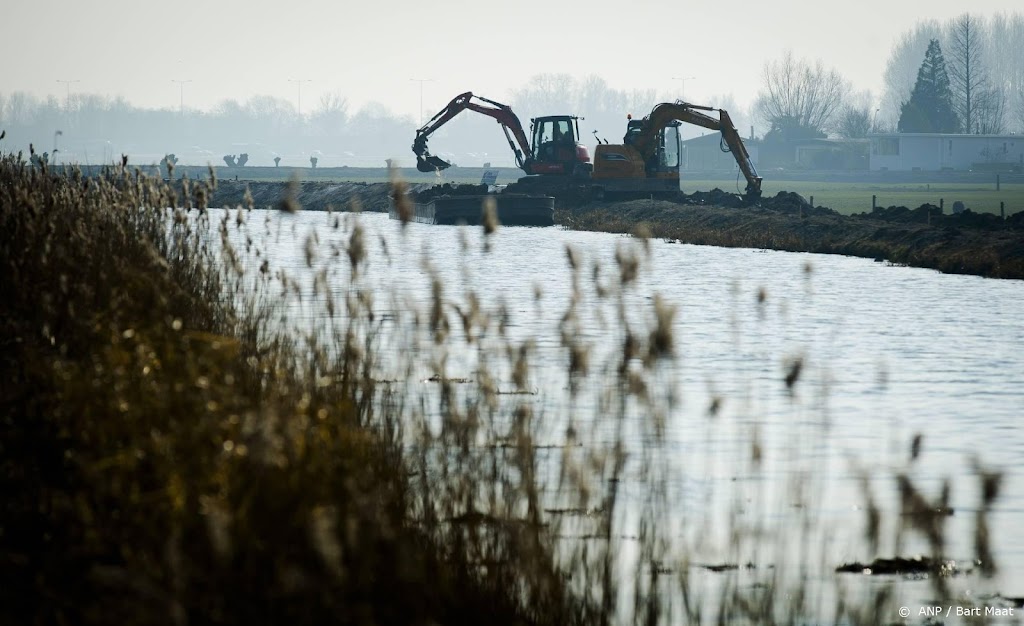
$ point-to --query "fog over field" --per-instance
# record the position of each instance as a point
(349, 83)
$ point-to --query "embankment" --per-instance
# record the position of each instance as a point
(969, 243)
(310, 195)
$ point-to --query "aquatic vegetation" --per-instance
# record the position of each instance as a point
(193, 432)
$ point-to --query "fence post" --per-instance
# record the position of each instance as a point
(997, 182)
(942, 201)
(873, 199)
(1002, 210)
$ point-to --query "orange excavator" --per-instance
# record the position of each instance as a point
(647, 161)
(555, 150)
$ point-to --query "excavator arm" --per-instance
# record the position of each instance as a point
(514, 133)
(645, 141)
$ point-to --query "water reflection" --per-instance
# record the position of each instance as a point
(886, 353)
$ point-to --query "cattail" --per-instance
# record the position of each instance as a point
(794, 367)
(629, 264)
(290, 203)
(400, 196)
(660, 341)
(356, 247)
(489, 218)
(248, 202)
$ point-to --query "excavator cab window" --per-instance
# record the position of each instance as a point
(551, 137)
(670, 147)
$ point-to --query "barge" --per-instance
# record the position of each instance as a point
(513, 209)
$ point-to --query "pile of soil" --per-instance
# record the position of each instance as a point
(310, 195)
(966, 243)
(449, 189)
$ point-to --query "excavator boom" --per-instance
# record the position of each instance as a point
(662, 115)
(514, 133)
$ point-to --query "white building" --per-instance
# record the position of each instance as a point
(935, 152)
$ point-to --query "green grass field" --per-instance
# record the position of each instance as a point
(849, 198)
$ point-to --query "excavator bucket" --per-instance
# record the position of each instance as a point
(426, 162)
(431, 163)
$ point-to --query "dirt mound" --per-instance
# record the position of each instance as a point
(929, 214)
(310, 195)
(715, 197)
(449, 189)
(966, 243)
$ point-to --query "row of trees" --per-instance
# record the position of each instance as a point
(976, 87)
(966, 75)
(984, 63)
(96, 129)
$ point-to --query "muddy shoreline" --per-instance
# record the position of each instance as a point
(969, 243)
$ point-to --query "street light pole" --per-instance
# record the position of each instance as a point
(682, 85)
(181, 94)
(421, 81)
(67, 83)
(299, 81)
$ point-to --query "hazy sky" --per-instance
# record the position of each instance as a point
(369, 51)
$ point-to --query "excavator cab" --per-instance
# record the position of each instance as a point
(667, 146)
(556, 148)
(666, 156)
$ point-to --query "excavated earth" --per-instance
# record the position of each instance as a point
(310, 195)
(968, 243)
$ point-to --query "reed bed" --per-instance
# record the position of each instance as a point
(192, 434)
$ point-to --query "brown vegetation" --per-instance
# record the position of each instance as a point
(171, 455)
(174, 448)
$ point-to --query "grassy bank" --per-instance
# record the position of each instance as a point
(856, 197)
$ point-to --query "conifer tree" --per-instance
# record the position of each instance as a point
(930, 108)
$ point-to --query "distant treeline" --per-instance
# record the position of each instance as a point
(97, 129)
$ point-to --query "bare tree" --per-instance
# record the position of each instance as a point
(330, 117)
(857, 117)
(21, 108)
(972, 94)
(601, 107)
(991, 117)
(544, 94)
(333, 105)
(998, 45)
(740, 115)
(270, 108)
(1020, 107)
(854, 122)
(1006, 64)
(596, 97)
(794, 91)
(901, 70)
